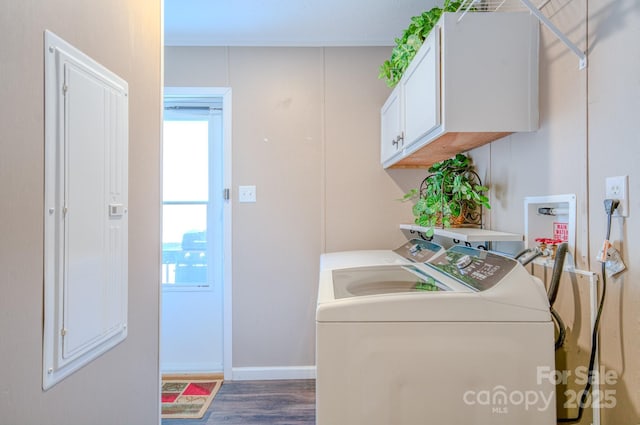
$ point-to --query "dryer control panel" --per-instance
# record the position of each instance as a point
(419, 251)
(480, 270)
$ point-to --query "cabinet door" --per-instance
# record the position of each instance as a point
(391, 129)
(421, 90)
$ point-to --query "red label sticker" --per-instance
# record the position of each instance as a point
(561, 231)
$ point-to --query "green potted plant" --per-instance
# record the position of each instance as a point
(412, 38)
(452, 194)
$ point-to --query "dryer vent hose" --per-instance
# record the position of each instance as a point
(558, 265)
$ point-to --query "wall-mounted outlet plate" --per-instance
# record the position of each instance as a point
(618, 188)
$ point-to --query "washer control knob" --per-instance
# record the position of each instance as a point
(464, 261)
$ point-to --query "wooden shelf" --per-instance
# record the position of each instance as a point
(468, 234)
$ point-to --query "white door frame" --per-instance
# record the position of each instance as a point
(225, 94)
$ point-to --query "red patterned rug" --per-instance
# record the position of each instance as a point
(187, 399)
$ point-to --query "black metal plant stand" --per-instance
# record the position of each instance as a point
(473, 214)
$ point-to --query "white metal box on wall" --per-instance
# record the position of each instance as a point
(85, 217)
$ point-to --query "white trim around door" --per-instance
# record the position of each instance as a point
(225, 94)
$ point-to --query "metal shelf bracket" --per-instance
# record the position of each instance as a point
(582, 56)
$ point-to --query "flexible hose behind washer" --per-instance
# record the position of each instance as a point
(562, 333)
(556, 274)
(552, 293)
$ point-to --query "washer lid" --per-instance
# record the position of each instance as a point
(366, 281)
(346, 259)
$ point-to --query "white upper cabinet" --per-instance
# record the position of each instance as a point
(391, 127)
(421, 89)
(471, 82)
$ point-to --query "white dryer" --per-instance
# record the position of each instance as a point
(463, 338)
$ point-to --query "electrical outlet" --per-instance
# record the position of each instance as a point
(246, 194)
(618, 188)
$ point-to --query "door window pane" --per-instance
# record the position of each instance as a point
(185, 199)
(184, 244)
(186, 160)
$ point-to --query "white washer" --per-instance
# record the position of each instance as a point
(415, 250)
(465, 338)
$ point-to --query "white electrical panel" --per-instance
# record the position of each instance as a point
(86, 222)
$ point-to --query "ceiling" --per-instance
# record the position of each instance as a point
(288, 22)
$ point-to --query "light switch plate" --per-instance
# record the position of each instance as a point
(246, 194)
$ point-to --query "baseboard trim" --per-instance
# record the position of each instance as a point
(191, 376)
(273, 373)
(190, 368)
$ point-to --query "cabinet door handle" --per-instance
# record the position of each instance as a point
(398, 139)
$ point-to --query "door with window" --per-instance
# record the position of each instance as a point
(192, 235)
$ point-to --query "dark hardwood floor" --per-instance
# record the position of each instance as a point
(290, 402)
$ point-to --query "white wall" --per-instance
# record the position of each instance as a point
(614, 149)
(124, 36)
(319, 183)
(588, 130)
